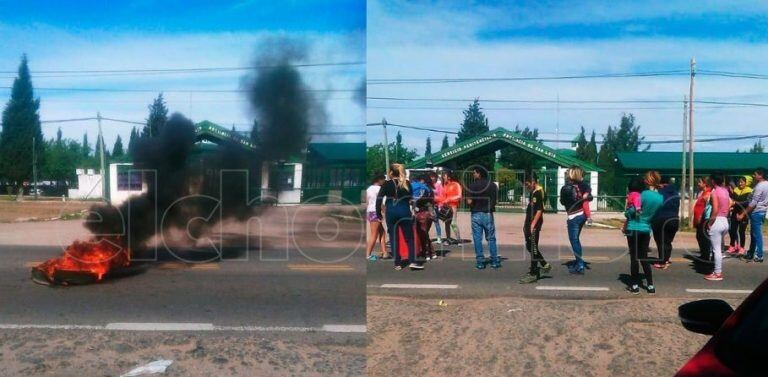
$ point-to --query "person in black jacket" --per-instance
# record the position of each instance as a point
(666, 223)
(396, 195)
(481, 198)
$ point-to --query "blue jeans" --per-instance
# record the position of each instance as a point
(574, 231)
(483, 222)
(437, 223)
(756, 231)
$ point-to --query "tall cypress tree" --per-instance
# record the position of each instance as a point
(475, 123)
(86, 148)
(132, 141)
(158, 116)
(428, 149)
(21, 126)
(445, 143)
(117, 149)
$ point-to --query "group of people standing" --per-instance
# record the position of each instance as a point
(409, 209)
(726, 208)
(651, 210)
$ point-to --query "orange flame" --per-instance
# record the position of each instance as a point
(95, 258)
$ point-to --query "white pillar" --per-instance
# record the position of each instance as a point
(560, 183)
(593, 183)
(297, 176)
(265, 180)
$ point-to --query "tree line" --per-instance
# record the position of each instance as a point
(23, 147)
(624, 137)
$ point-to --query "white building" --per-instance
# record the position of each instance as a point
(124, 182)
(88, 185)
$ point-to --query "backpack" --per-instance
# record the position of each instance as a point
(569, 196)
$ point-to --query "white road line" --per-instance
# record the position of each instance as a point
(345, 328)
(167, 326)
(9, 326)
(737, 291)
(420, 286)
(138, 326)
(570, 288)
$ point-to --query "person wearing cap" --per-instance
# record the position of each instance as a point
(756, 212)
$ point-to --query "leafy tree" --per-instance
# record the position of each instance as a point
(158, 116)
(757, 148)
(65, 156)
(586, 150)
(376, 160)
(624, 138)
(445, 144)
(515, 158)
(475, 123)
(117, 149)
(58, 135)
(21, 127)
(428, 149)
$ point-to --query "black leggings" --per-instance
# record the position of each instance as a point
(638, 256)
(664, 232)
(705, 246)
(532, 245)
(738, 232)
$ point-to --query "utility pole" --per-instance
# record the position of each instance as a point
(34, 165)
(101, 158)
(386, 147)
(684, 184)
(691, 139)
(557, 124)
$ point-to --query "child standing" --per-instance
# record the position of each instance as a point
(634, 188)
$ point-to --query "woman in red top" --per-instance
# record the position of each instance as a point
(700, 216)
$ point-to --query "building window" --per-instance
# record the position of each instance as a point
(129, 181)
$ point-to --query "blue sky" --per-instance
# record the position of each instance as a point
(439, 39)
(145, 34)
(183, 16)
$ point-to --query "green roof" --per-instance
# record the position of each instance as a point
(496, 139)
(702, 161)
(210, 131)
(337, 152)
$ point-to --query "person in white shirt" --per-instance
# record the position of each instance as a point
(377, 228)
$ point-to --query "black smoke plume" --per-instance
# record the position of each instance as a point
(184, 184)
(180, 187)
(284, 106)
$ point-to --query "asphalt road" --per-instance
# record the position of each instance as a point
(293, 291)
(455, 276)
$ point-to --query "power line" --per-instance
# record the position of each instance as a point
(521, 78)
(649, 142)
(174, 90)
(545, 108)
(403, 99)
(186, 70)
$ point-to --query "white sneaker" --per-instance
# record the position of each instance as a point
(414, 266)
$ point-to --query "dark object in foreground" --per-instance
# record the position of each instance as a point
(739, 345)
(63, 277)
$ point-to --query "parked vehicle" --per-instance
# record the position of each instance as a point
(739, 343)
